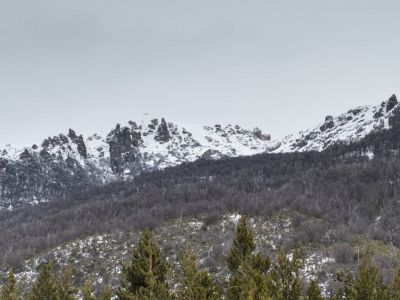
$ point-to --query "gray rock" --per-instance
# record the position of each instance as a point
(162, 135)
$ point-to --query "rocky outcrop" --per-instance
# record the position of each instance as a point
(162, 132)
(386, 107)
(348, 127)
(78, 140)
(123, 143)
(391, 103)
(260, 135)
(329, 123)
(212, 155)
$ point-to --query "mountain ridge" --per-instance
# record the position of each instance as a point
(69, 161)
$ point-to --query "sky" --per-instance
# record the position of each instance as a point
(279, 65)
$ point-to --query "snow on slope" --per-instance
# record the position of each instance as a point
(144, 144)
(149, 142)
(158, 143)
(348, 127)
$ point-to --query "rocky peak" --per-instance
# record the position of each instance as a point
(122, 143)
(347, 127)
(71, 134)
(329, 123)
(153, 124)
(162, 135)
(391, 103)
(260, 135)
(79, 141)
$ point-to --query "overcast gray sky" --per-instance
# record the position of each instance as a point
(281, 65)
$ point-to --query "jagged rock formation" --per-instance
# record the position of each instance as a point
(348, 127)
(64, 163)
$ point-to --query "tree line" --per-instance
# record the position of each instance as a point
(149, 275)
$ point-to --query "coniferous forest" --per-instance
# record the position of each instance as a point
(148, 275)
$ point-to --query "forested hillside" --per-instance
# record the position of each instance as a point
(63, 164)
(336, 199)
(148, 274)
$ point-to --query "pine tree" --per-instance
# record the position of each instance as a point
(145, 277)
(243, 245)
(9, 289)
(249, 283)
(45, 286)
(249, 279)
(286, 280)
(87, 290)
(313, 291)
(367, 284)
(65, 286)
(196, 284)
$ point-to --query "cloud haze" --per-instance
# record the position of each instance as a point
(281, 65)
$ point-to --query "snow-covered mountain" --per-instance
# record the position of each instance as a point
(150, 143)
(68, 161)
(348, 127)
(64, 163)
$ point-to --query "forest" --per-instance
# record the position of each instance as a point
(349, 190)
(148, 275)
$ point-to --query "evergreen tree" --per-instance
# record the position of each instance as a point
(87, 290)
(249, 283)
(9, 289)
(45, 286)
(313, 291)
(286, 281)
(367, 284)
(249, 278)
(196, 284)
(145, 277)
(65, 286)
(243, 245)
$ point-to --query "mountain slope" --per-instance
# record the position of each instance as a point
(66, 163)
(332, 198)
(348, 127)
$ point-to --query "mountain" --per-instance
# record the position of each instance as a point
(70, 162)
(336, 203)
(348, 127)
